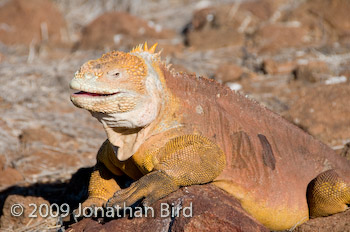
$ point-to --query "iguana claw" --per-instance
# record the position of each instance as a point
(151, 187)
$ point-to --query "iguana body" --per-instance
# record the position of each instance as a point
(168, 130)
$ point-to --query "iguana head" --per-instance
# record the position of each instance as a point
(120, 89)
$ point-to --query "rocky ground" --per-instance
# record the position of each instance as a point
(291, 56)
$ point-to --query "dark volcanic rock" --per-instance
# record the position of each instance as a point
(213, 210)
(338, 223)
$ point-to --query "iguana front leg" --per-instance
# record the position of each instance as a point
(184, 160)
(102, 186)
(102, 183)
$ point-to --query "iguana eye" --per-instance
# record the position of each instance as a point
(113, 74)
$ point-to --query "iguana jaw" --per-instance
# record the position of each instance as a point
(90, 88)
(81, 97)
(97, 98)
(91, 94)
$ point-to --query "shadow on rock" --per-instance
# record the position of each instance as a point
(32, 197)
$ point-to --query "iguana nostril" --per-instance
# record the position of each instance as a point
(78, 74)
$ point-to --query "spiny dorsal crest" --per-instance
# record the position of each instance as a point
(144, 48)
(149, 53)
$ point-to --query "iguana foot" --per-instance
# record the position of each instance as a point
(151, 187)
(90, 203)
(327, 194)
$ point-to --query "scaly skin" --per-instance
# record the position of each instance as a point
(168, 130)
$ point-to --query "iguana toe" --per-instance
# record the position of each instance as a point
(152, 187)
(91, 204)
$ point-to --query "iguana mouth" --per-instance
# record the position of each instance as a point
(83, 93)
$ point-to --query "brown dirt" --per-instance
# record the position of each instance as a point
(326, 20)
(118, 29)
(24, 22)
(345, 152)
(273, 67)
(321, 112)
(314, 71)
(10, 176)
(30, 135)
(228, 25)
(10, 222)
(229, 73)
(274, 37)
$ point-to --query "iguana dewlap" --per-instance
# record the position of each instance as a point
(168, 129)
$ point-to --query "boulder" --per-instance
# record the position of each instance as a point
(212, 210)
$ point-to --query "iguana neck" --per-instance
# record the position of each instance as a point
(128, 140)
(168, 116)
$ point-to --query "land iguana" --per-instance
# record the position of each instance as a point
(167, 129)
